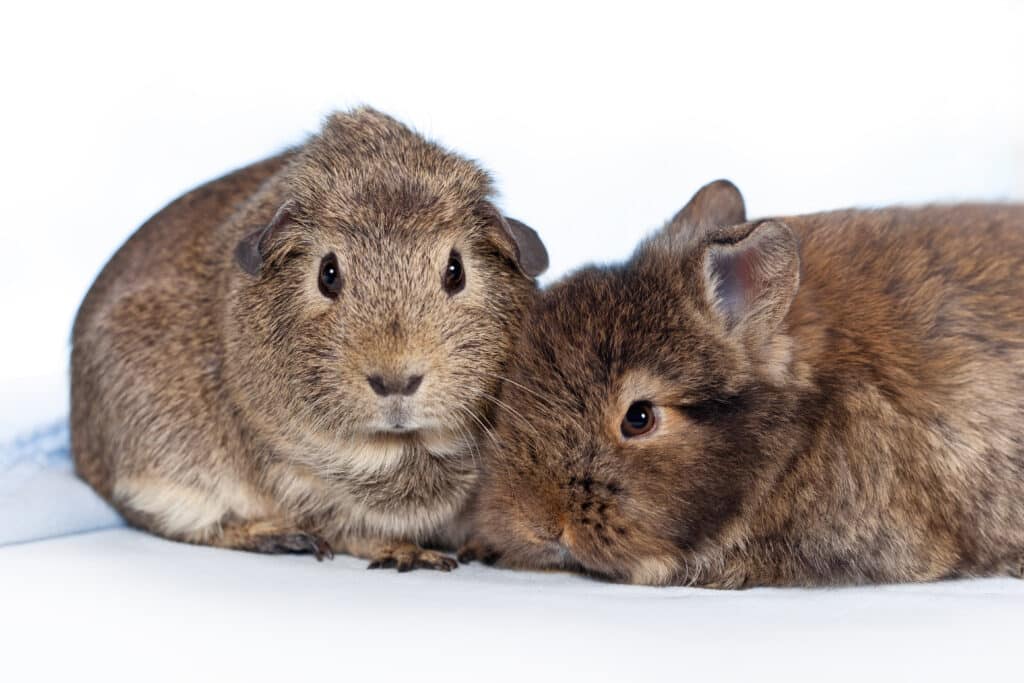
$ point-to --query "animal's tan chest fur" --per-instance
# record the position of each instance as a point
(390, 491)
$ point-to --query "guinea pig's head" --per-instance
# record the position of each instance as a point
(643, 401)
(380, 301)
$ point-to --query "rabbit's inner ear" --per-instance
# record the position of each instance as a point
(716, 205)
(751, 282)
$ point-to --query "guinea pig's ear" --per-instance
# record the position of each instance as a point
(251, 251)
(716, 205)
(523, 241)
(531, 255)
(751, 274)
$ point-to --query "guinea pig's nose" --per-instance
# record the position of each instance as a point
(389, 386)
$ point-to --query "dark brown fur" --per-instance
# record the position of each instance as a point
(839, 399)
(214, 405)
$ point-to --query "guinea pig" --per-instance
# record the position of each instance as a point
(300, 356)
(827, 399)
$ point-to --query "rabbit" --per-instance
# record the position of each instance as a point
(828, 399)
(299, 356)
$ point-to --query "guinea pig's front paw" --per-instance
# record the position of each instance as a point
(475, 549)
(294, 542)
(407, 556)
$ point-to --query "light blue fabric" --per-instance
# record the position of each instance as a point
(40, 496)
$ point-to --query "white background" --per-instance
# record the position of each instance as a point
(597, 121)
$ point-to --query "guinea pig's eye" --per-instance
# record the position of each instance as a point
(454, 278)
(330, 276)
(639, 419)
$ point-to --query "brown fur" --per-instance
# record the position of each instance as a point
(839, 399)
(214, 406)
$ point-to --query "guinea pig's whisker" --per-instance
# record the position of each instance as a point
(540, 397)
(483, 427)
(519, 417)
(471, 445)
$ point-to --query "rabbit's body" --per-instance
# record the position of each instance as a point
(907, 462)
(252, 410)
(839, 401)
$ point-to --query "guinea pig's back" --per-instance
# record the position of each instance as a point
(175, 236)
(150, 308)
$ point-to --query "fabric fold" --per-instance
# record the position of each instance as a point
(40, 496)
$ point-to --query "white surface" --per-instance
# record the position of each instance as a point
(119, 605)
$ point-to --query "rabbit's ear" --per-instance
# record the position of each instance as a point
(252, 250)
(751, 275)
(716, 205)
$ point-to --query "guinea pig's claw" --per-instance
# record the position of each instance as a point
(405, 558)
(295, 542)
(321, 549)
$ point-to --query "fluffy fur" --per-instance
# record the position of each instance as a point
(219, 397)
(839, 399)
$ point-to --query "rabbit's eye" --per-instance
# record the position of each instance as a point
(639, 419)
(454, 278)
(330, 276)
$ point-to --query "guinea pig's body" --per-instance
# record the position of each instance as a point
(830, 399)
(298, 356)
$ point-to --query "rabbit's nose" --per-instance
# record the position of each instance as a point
(389, 386)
